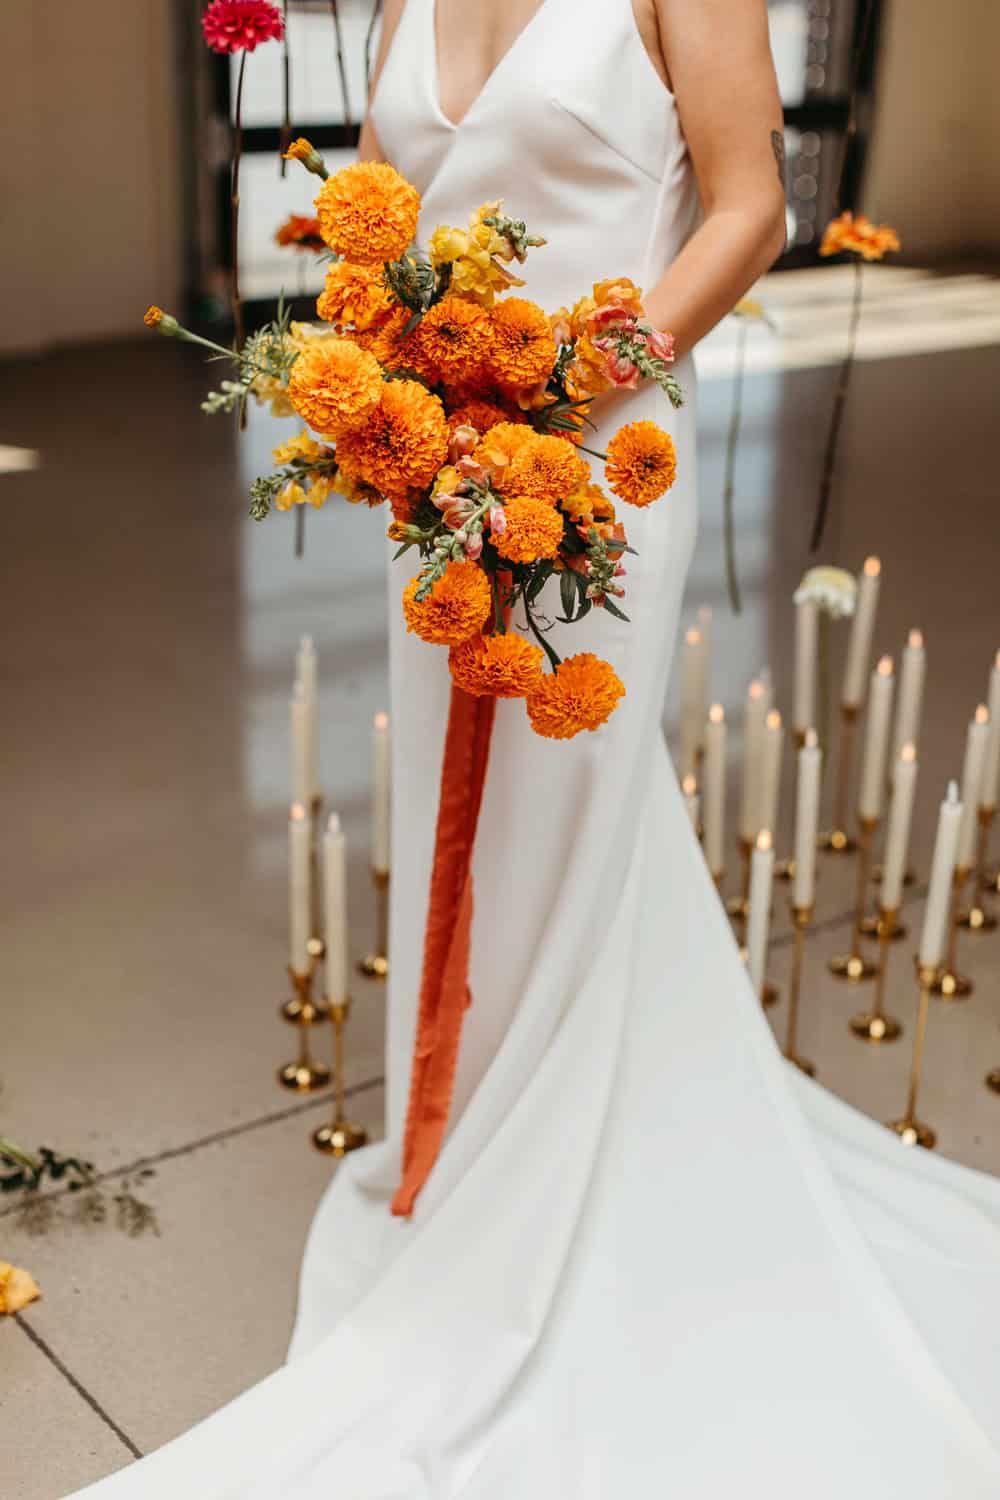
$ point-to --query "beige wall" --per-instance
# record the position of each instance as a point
(934, 168)
(89, 170)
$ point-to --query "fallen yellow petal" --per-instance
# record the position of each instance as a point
(17, 1288)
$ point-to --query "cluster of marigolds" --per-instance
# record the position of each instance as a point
(430, 386)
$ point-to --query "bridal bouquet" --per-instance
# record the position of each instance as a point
(429, 386)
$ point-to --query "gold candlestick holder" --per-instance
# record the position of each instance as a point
(375, 965)
(837, 840)
(316, 945)
(854, 966)
(339, 1137)
(911, 1130)
(303, 1075)
(738, 907)
(977, 917)
(801, 916)
(950, 983)
(874, 1025)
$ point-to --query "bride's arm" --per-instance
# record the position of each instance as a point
(718, 59)
(368, 144)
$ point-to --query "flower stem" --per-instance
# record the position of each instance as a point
(235, 205)
(286, 92)
(729, 485)
(15, 1153)
(554, 659)
(593, 452)
(837, 415)
(341, 66)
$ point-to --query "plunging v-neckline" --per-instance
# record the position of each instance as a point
(491, 75)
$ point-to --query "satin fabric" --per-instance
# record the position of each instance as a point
(649, 1260)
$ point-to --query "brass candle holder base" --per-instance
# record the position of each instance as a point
(950, 983)
(303, 1075)
(953, 986)
(801, 916)
(837, 839)
(784, 869)
(870, 927)
(338, 1137)
(978, 918)
(874, 1025)
(375, 965)
(770, 995)
(911, 1130)
(738, 907)
(854, 966)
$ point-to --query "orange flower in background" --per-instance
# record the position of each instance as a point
(17, 1288)
(335, 386)
(582, 693)
(457, 607)
(354, 295)
(300, 232)
(523, 350)
(403, 443)
(641, 463)
(588, 504)
(859, 236)
(368, 212)
(451, 343)
(500, 666)
(545, 467)
(534, 529)
(482, 415)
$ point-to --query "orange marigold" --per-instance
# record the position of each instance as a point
(546, 467)
(498, 448)
(588, 504)
(482, 415)
(458, 605)
(642, 463)
(385, 339)
(451, 342)
(582, 693)
(368, 212)
(354, 295)
(403, 443)
(858, 235)
(300, 231)
(496, 666)
(534, 529)
(523, 349)
(335, 386)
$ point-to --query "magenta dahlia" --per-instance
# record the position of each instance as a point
(241, 25)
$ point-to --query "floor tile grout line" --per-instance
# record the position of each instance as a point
(81, 1390)
(171, 1153)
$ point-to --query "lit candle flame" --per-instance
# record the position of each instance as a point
(873, 566)
(812, 739)
(908, 753)
(756, 689)
(692, 635)
(773, 720)
(716, 713)
(297, 812)
(764, 840)
(884, 668)
(381, 721)
(689, 785)
(916, 639)
(982, 715)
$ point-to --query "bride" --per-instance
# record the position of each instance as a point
(649, 1260)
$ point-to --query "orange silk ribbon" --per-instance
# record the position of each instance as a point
(444, 985)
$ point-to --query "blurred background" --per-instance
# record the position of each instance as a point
(151, 631)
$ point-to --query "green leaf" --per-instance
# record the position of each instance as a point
(613, 609)
(568, 593)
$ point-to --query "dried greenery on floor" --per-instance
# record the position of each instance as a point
(86, 1201)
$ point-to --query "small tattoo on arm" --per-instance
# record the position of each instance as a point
(778, 147)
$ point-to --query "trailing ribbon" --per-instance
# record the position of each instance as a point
(444, 984)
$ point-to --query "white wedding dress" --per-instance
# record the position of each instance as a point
(651, 1260)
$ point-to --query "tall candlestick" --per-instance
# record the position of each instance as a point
(299, 857)
(912, 671)
(862, 631)
(714, 811)
(810, 763)
(692, 802)
(991, 771)
(876, 740)
(307, 667)
(976, 742)
(753, 729)
(299, 717)
(759, 919)
(932, 938)
(978, 917)
(694, 674)
(806, 646)
(904, 783)
(770, 770)
(381, 794)
(335, 910)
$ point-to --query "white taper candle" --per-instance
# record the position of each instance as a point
(335, 910)
(806, 638)
(714, 784)
(689, 786)
(897, 839)
(991, 772)
(772, 743)
(859, 647)
(876, 740)
(913, 668)
(807, 794)
(938, 908)
(381, 793)
(976, 742)
(694, 676)
(299, 714)
(759, 917)
(753, 730)
(308, 676)
(299, 873)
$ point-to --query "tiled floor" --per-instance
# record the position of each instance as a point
(151, 629)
